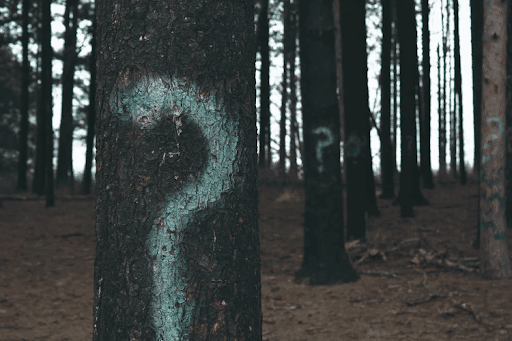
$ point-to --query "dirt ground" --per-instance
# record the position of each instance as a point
(419, 277)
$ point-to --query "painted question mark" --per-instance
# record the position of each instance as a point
(321, 144)
(147, 101)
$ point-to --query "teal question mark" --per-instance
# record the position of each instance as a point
(146, 102)
(321, 144)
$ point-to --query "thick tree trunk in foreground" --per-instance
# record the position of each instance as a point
(177, 254)
(494, 256)
(325, 259)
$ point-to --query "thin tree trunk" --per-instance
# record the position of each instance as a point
(284, 91)
(263, 37)
(494, 254)
(477, 25)
(91, 117)
(458, 93)
(293, 92)
(25, 82)
(395, 50)
(442, 118)
(408, 70)
(47, 99)
(64, 174)
(387, 169)
(426, 168)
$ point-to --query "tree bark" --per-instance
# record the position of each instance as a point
(294, 134)
(494, 255)
(25, 82)
(508, 170)
(177, 254)
(64, 174)
(325, 258)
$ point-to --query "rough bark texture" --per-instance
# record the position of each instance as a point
(407, 37)
(91, 117)
(325, 259)
(387, 169)
(25, 81)
(264, 136)
(426, 167)
(64, 174)
(356, 114)
(177, 254)
(494, 256)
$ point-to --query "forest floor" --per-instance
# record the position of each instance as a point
(419, 277)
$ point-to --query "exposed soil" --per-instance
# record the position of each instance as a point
(419, 277)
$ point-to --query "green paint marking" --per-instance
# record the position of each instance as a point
(501, 236)
(321, 144)
(146, 101)
(500, 126)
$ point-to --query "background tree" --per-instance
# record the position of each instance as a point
(264, 135)
(442, 112)
(47, 99)
(24, 101)
(64, 174)
(91, 115)
(177, 254)
(407, 37)
(494, 255)
(325, 259)
(386, 158)
(458, 92)
(294, 132)
(426, 167)
(284, 90)
(356, 114)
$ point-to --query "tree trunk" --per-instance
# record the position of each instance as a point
(477, 26)
(177, 254)
(25, 82)
(508, 170)
(284, 91)
(64, 175)
(325, 258)
(294, 134)
(356, 114)
(47, 100)
(458, 94)
(394, 49)
(408, 70)
(494, 255)
(426, 167)
(265, 159)
(387, 169)
(91, 116)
